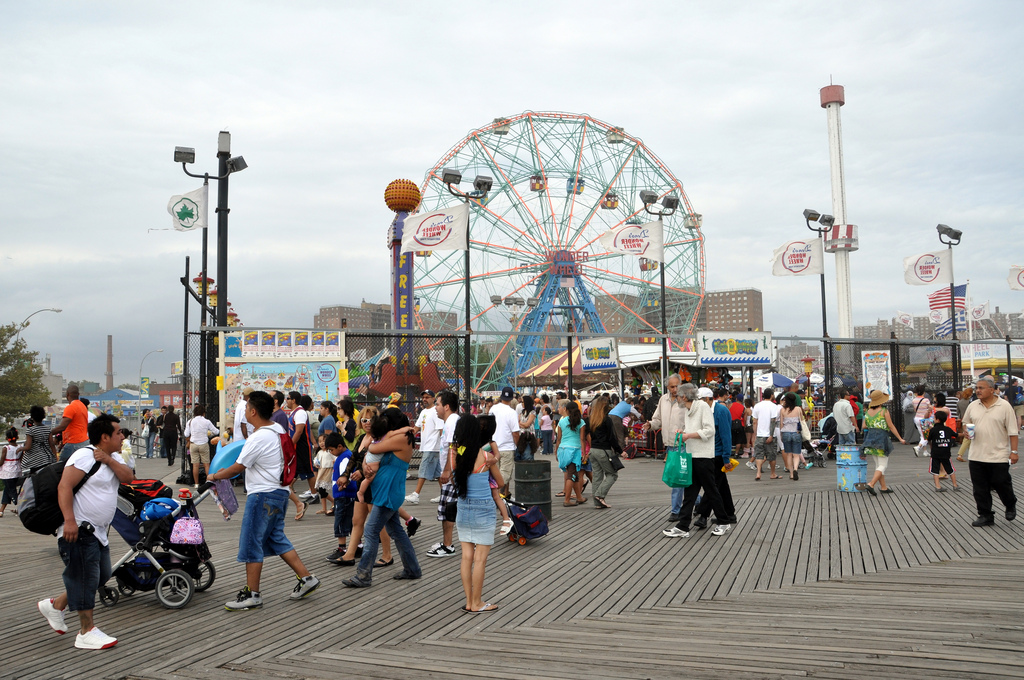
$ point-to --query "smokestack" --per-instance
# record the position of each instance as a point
(110, 362)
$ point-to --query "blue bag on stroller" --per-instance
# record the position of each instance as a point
(527, 523)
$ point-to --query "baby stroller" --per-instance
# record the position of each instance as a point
(527, 523)
(817, 451)
(158, 560)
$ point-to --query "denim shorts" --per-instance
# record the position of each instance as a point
(791, 442)
(86, 568)
(430, 465)
(475, 521)
(343, 517)
(262, 532)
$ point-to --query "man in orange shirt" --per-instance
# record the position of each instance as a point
(73, 424)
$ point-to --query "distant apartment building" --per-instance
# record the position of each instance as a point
(736, 309)
(366, 316)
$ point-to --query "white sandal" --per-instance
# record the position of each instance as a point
(506, 526)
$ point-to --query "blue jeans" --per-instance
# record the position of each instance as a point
(262, 531)
(677, 499)
(545, 439)
(385, 518)
(68, 449)
(792, 442)
(150, 441)
(86, 568)
(848, 438)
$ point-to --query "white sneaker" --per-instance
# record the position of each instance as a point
(413, 498)
(305, 587)
(435, 499)
(676, 532)
(721, 529)
(750, 464)
(94, 639)
(54, 616)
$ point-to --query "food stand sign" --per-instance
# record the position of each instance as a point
(733, 349)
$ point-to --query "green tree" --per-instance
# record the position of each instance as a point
(21, 385)
(127, 386)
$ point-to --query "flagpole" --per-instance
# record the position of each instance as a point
(970, 325)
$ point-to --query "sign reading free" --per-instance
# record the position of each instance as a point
(734, 349)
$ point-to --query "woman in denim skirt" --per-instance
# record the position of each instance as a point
(476, 511)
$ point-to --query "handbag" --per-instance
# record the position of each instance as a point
(187, 531)
(616, 462)
(678, 471)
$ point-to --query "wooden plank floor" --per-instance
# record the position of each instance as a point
(812, 582)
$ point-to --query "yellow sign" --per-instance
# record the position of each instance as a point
(177, 367)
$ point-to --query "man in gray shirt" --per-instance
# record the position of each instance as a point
(846, 422)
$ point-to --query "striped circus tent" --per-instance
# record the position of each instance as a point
(556, 365)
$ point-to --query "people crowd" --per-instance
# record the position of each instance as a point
(353, 462)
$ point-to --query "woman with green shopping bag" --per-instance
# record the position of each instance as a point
(697, 433)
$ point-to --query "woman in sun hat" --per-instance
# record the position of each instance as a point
(877, 426)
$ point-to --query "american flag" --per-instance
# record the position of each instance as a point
(940, 298)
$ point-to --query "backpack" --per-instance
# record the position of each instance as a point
(38, 507)
(291, 460)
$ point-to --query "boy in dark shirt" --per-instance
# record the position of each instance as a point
(942, 437)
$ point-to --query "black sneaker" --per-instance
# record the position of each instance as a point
(412, 526)
(674, 517)
(983, 521)
(1011, 515)
(700, 524)
(336, 556)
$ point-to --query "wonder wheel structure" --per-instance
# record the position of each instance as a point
(560, 180)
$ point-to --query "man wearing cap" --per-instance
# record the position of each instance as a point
(428, 426)
(241, 425)
(506, 436)
(993, 450)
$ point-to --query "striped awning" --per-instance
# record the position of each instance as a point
(556, 365)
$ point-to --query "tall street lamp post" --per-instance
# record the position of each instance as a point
(24, 324)
(825, 223)
(138, 404)
(951, 237)
(669, 204)
(481, 185)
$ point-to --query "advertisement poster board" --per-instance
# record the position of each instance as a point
(599, 354)
(877, 366)
(318, 379)
(723, 348)
(250, 343)
(284, 344)
(268, 343)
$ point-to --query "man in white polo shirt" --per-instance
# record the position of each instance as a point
(765, 415)
(993, 449)
(428, 426)
(506, 436)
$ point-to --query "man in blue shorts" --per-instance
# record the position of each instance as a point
(262, 533)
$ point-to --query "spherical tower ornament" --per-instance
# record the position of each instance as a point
(402, 195)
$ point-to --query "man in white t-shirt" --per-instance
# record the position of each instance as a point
(506, 436)
(447, 408)
(242, 428)
(428, 426)
(197, 436)
(765, 415)
(262, 532)
(83, 544)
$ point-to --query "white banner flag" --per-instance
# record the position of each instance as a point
(980, 312)
(188, 211)
(642, 240)
(1016, 278)
(938, 315)
(798, 258)
(905, 319)
(928, 269)
(438, 230)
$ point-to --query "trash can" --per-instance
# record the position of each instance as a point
(533, 484)
(851, 469)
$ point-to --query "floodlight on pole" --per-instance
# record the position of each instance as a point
(669, 204)
(24, 324)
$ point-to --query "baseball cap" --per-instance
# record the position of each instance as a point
(507, 393)
(247, 391)
(705, 393)
(429, 393)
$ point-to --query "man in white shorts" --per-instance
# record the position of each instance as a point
(428, 426)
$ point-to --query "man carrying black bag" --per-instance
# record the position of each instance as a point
(83, 545)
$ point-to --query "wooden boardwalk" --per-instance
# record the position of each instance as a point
(811, 583)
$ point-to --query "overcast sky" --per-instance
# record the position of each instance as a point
(329, 101)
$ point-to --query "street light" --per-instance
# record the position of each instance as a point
(482, 184)
(226, 166)
(24, 324)
(950, 237)
(138, 404)
(669, 204)
(826, 222)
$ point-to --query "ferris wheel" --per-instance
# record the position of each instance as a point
(560, 180)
